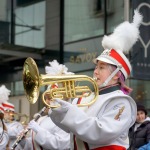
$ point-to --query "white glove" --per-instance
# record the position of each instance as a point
(59, 113)
(64, 106)
(34, 126)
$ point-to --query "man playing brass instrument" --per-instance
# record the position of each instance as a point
(105, 124)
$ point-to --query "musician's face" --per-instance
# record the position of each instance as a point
(102, 72)
(8, 115)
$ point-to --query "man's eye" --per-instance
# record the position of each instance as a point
(101, 67)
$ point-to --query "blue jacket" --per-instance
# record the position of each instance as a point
(145, 147)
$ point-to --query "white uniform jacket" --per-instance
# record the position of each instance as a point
(104, 123)
(49, 137)
(4, 138)
(13, 129)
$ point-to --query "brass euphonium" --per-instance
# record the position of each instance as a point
(32, 81)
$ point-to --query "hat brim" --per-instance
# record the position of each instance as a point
(103, 59)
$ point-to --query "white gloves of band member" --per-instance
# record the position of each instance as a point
(59, 113)
(64, 106)
(34, 126)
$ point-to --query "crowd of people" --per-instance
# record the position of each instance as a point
(113, 122)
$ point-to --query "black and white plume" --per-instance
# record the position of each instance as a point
(4, 94)
(125, 35)
(57, 69)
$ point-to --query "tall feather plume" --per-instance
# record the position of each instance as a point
(137, 19)
(125, 35)
(4, 94)
(56, 69)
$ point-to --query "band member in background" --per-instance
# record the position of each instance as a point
(13, 126)
(105, 124)
(45, 134)
(4, 138)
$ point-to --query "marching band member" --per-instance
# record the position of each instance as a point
(13, 126)
(105, 124)
(45, 134)
(4, 138)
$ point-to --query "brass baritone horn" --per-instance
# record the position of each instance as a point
(32, 81)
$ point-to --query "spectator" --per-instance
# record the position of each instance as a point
(139, 133)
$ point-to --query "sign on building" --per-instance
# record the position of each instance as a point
(140, 56)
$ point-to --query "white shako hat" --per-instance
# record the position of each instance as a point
(56, 69)
(1, 109)
(8, 106)
(119, 42)
(4, 96)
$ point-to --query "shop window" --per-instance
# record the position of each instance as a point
(26, 2)
(99, 8)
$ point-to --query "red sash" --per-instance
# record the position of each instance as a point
(111, 147)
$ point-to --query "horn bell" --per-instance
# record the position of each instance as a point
(31, 80)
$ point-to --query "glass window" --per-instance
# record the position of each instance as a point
(25, 2)
(141, 92)
(30, 25)
(115, 14)
(83, 19)
(18, 88)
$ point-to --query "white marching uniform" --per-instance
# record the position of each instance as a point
(13, 129)
(49, 137)
(104, 123)
(4, 138)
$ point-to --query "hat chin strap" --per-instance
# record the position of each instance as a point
(119, 66)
